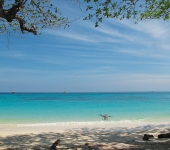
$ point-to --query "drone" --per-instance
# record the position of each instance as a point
(105, 116)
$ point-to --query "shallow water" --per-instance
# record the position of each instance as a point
(43, 108)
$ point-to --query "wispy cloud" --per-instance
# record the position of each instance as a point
(13, 54)
(148, 53)
(77, 36)
(165, 45)
(155, 28)
(85, 37)
(114, 33)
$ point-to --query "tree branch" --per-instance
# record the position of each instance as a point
(11, 13)
(23, 27)
(1, 7)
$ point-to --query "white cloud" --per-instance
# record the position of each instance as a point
(12, 54)
(84, 36)
(20, 70)
(114, 33)
(78, 36)
(154, 28)
(148, 53)
(165, 46)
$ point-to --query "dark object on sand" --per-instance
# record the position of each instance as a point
(149, 135)
(93, 146)
(146, 137)
(166, 135)
(53, 147)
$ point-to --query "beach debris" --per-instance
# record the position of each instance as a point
(93, 146)
(149, 135)
(53, 147)
(117, 146)
(146, 137)
(166, 135)
(105, 116)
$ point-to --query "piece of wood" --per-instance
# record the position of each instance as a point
(53, 147)
(166, 135)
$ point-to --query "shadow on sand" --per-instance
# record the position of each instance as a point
(79, 137)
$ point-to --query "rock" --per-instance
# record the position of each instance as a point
(53, 147)
(166, 135)
(145, 137)
(149, 135)
(87, 144)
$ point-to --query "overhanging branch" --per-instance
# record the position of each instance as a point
(23, 27)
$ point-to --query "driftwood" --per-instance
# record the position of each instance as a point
(166, 135)
(53, 147)
(149, 135)
(146, 137)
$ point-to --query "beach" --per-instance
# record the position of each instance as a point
(76, 135)
(36, 120)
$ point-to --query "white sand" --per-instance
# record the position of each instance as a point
(42, 136)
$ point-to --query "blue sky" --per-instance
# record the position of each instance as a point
(117, 56)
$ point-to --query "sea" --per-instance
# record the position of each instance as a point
(60, 108)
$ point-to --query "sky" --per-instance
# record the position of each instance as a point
(117, 56)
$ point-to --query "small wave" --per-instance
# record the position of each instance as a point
(80, 123)
(142, 119)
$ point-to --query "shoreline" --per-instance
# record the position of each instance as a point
(136, 121)
(18, 129)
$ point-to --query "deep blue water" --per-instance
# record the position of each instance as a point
(34, 108)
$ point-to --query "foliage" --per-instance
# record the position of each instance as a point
(136, 9)
(35, 15)
(29, 16)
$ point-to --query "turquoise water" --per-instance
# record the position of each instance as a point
(33, 108)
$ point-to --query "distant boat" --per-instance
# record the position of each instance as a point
(65, 91)
(12, 92)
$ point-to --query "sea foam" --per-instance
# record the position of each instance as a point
(81, 123)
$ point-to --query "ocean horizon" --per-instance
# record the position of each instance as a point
(49, 108)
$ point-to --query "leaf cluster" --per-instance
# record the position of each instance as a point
(32, 15)
(156, 10)
(120, 9)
